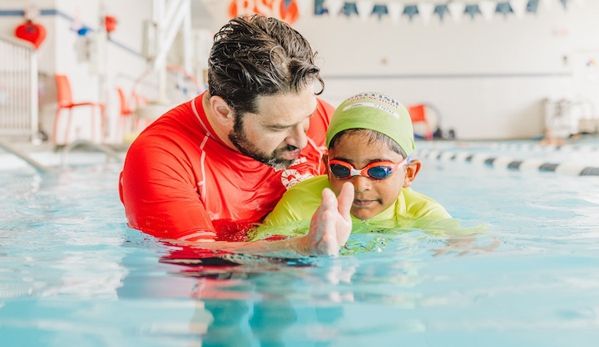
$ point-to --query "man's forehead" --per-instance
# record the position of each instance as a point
(286, 108)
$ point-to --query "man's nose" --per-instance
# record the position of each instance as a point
(298, 137)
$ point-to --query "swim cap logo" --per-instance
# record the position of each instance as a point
(374, 96)
(291, 177)
(369, 104)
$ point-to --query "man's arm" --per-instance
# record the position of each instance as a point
(330, 229)
(159, 191)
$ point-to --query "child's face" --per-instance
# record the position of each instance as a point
(371, 196)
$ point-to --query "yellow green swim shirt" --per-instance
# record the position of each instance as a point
(303, 199)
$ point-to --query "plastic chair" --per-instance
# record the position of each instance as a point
(130, 124)
(65, 101)
(418, 115)
(126, 113)
(140, 101)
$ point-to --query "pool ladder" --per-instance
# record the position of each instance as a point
(41, 168)
(35, 164)
(110, 153)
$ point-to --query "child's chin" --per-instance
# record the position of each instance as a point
(363, 214)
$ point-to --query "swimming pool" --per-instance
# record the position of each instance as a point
(72, 273)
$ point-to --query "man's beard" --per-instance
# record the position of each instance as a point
(240, 141)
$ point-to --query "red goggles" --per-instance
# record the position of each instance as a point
(378, 170)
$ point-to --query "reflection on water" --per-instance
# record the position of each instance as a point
(517, 270)
(55, 239)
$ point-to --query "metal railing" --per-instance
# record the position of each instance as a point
(110, 152)
(26, 158)
(18, 89)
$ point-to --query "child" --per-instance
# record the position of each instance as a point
(370, 143)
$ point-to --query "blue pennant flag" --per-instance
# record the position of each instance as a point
(410, 10)
(472, 10)
(350, 8)
(504, 8)
(441, 10)
(565, 3)
(319, 8)
(532, 6)
(380, 10)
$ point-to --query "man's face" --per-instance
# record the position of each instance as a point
(275, 134)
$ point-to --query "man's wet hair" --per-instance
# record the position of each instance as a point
(256, 56)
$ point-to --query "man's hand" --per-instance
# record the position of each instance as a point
(331, 224)
(330, 228)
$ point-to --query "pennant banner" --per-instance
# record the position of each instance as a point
(425, 11)
(441, 10)
(456, 10)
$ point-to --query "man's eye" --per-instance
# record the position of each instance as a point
(277, 129)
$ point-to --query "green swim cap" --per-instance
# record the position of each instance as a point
(374, 111)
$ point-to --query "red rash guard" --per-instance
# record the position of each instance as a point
(181, 182)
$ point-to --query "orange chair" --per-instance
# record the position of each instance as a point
(140, 101)
(418, 115)
(126, 113)
(65, 101)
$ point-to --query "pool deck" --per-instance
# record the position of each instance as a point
(46, 157)
(578, 157)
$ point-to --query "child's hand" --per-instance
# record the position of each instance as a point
(331, 224)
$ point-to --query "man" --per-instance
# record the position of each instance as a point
(211, 168)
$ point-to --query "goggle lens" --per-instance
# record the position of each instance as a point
(340, 171)
(376, 171)
(379, 172)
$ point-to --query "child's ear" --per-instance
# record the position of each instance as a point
(221, 110)
(325, 162)
(411, 172)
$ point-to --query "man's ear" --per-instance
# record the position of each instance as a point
(221, 111)
(411, 172)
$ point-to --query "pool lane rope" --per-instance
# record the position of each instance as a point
(510, 163)
(549, 148)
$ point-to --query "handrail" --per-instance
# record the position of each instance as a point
(18, 42)
(36, 165)
(110, 153)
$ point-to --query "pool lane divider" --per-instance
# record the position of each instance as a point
(549, 148)
(510, 163)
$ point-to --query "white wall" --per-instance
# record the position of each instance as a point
(118, 64)
(488, 79)
(9, 23)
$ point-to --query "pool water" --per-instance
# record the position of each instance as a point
(73, 274)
